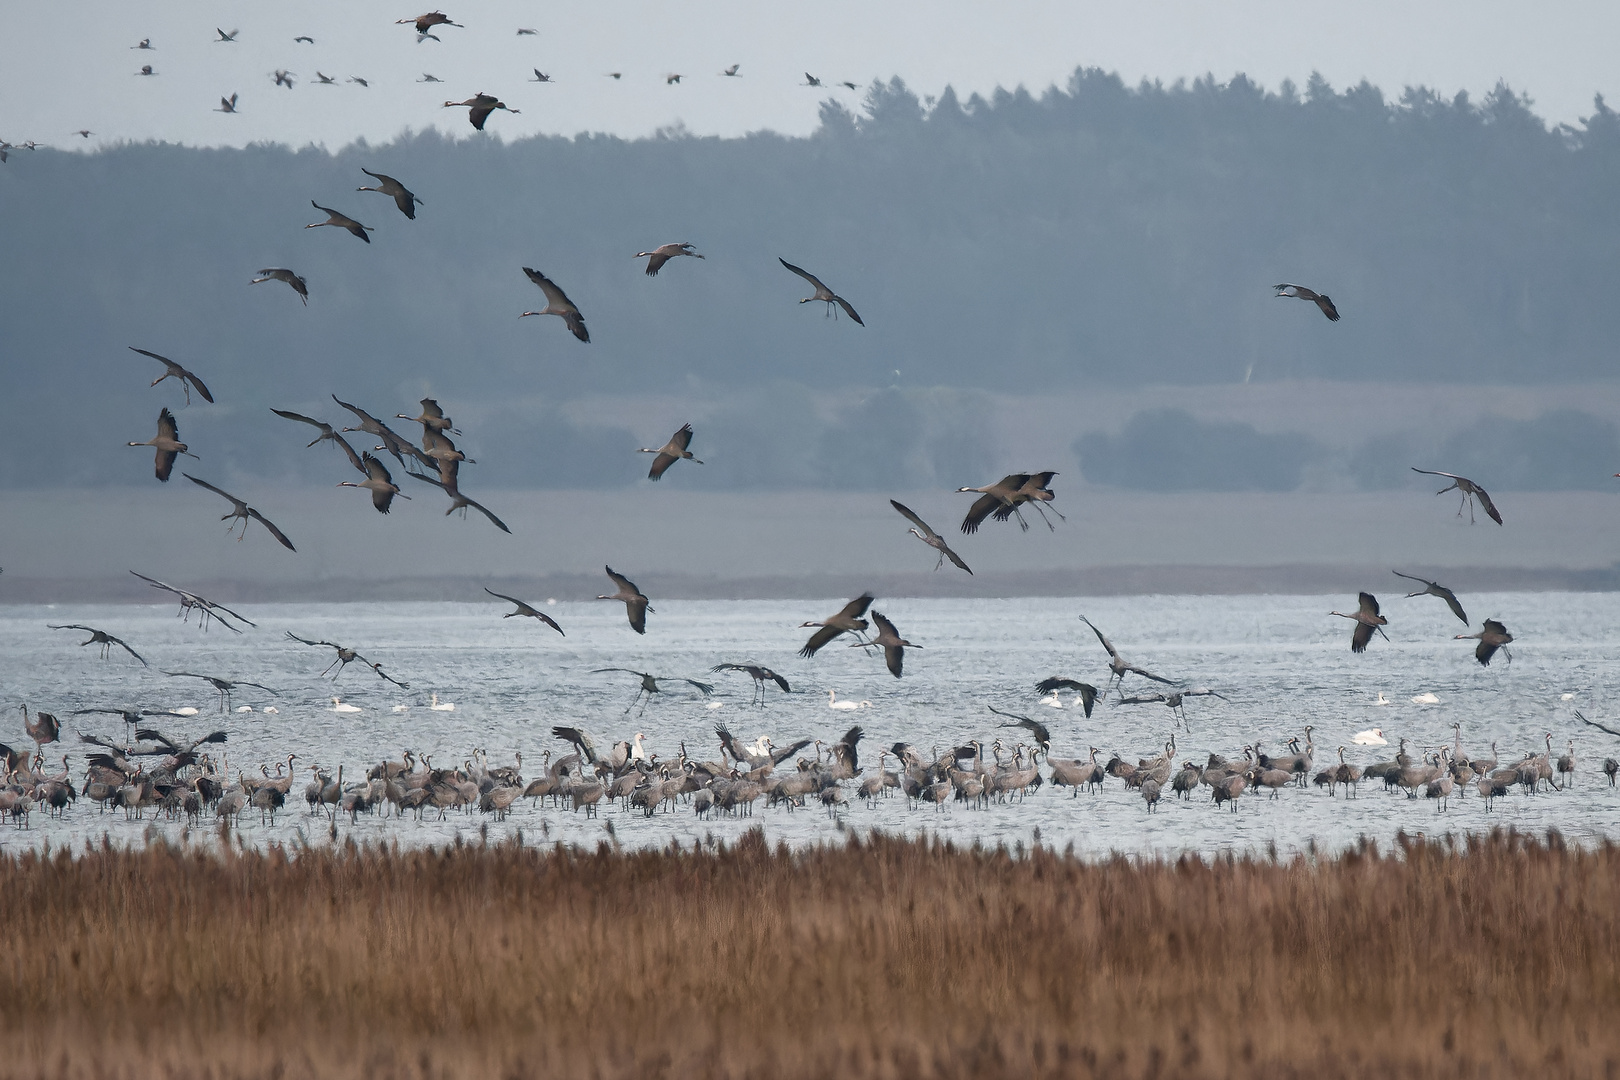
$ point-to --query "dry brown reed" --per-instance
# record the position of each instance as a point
(887, 958)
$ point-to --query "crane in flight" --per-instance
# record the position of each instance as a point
(342, 221)
(223, 685)
(558, 304)
(649, 685)
(1367, 619)
(846, 621)
(889, 640)
(379, 482)
(102, 638)
(823, 293)
(636, 605)
(167, 444)
(1494, 636)
(760, 675)
(206, 609)
(175, 371)
(1300, 292)
(282, 274)
(478, 107)
(1470, 491)
(403, 197)
(524, 609)
(1119, 666)
(243, 512)
(1431, 588)
(928, 536)
(327, 432)
(670, 452)
(658, 256)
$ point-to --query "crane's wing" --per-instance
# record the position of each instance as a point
(661, 465)
(982, 508)
(1433, 472)
(636, 611)
(1368, 603)
(70, 626)
(781, 754)
(354, 458)
(783, 683)
(275, 532)
(655, 263)
(954, 557)
(857, 607)
(895, 657)
(1327, 307)
(1149, 675)
(1490, 507)
(621, 581)
(1594, 723)
(841, 302)
(482, 509)
(555, 297)
(884, 625)
(807, 275)
(911, 516)
(306, 641)
(261, 686)
(122, 645)
(1143, 699)
(215, 490)
(1034, 727)
(581, 740)
(1360, 637)
(818, 639)
(682, 439)
(549, 621)
(706, 688)
(1047, 686)
(508, 599)
(1109, 645)
(1088, 697)
(156, 584)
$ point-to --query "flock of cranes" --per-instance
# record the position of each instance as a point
(187, 780)
(480, 106)
(178, 778)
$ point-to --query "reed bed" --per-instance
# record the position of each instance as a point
(1493, 956)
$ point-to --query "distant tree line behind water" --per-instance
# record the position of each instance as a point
(1093, 234)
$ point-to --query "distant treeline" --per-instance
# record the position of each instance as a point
(1094, 233)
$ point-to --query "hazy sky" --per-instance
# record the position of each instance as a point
(70, 66)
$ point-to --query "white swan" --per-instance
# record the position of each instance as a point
(1566, 697)
(1051, 699)
(439, 706)
(714, 705)
(1382, 700)
(339, 707)
(270, 709)
(845, 706)
(184, 710)
(244, 708)
(1425, 698)
(1370, 737)
(402, 708)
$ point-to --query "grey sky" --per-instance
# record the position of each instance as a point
(70, 66)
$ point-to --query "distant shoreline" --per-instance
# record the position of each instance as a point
(1175, 580)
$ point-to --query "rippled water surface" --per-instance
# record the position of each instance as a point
(1282, 661)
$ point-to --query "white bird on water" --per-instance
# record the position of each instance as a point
(714, 705)
(1425, 698)
(185, 710)
(244, 708)
(441, 706)
(402, 708)
(1382, 700)
(845, 706)
(1052, 699)
(339, 707)
(270, 709)
(1370, 737)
